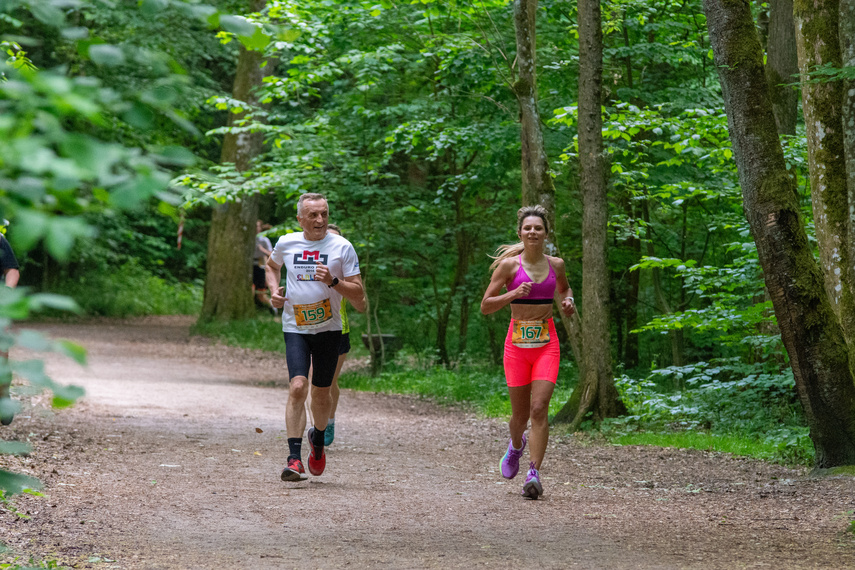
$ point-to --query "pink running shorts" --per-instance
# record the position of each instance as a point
(523, 365)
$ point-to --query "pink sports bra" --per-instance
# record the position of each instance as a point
(540, 294)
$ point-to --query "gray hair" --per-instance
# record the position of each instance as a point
(309, 196)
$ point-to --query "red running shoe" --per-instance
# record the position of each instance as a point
(294, 471)
(316, 464)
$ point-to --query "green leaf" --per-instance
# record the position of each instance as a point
(14, 483)
(177, 156)
(72, 350)
(65, 396)
(14, 448)
(257, 41)
(106, 55)
(33, 340)
(238, 26)
(153, 7)
(47, 14)
(30, 226)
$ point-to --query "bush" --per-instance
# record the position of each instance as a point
(129, 291)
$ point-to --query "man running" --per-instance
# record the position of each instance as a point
(322, 267)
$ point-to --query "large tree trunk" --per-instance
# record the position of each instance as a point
(537, 184)
(782, 65)
(597, 389)
(818, 44)
(231, 238)
(847, 52)
(810, 332)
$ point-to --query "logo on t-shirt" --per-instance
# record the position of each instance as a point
(309, 258)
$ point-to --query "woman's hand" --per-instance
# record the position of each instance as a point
(522, 291)
(568, 306)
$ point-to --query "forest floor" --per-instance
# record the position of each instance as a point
(172, 460)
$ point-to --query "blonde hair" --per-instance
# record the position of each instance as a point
(513, 249)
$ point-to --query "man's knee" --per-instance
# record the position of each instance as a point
(299, 388)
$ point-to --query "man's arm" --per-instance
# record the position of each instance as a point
(358, 302)
(12, 277)
(272, 275)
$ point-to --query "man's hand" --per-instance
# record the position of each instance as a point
(278, 298)
(322, 274)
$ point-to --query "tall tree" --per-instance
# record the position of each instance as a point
(597, 390)
(818, 45)
(782, 65)
(847, 53)
(537, 184)
(231, 237)
(810, 332)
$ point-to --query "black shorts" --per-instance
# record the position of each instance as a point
(344, 345)
(258, 278)
(318, 350)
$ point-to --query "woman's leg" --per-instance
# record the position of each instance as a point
(541, 394)
(520, 411)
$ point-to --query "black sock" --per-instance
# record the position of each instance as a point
(295, 445)
(318, 437)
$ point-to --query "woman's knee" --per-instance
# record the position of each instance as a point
(540, 411)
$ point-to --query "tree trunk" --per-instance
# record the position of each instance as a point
(810, 332)
(231, 237)
(847, 52)
(597, 389)
(782, 65)
(537, 184)
(818, 44)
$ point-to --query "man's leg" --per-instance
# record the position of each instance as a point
(298, 356)
(321, 405)
(295, 411)
(6, 407)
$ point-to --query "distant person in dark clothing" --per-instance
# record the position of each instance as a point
(10, 275)
(263, 248)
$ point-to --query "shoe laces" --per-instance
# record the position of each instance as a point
(532, 472)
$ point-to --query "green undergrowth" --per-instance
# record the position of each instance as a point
(480, 388)
(130, 291)
(735, 444)
(263, 332)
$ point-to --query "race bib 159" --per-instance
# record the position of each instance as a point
(312, 315)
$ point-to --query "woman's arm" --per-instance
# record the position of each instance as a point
(493, 299)
(563, 292)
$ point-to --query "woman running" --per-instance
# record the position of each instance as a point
(533, 280)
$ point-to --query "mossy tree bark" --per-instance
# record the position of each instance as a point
(596, 390)
(537, 184)
(782, 65)
(818, 44)
(847, 53)
(231, 237)
(810, 332)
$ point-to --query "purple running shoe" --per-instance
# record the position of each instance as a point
(510, 464)
(532, 488)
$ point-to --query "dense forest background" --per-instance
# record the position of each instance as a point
(406, 116)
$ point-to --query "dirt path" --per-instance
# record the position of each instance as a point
(161, 466)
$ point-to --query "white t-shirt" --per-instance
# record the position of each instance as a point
(312, 306)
